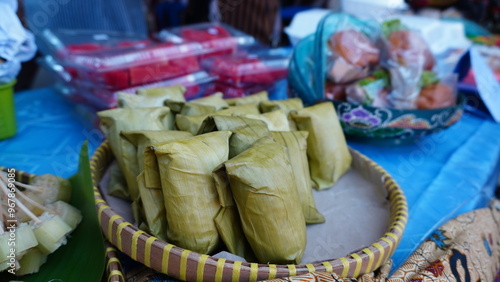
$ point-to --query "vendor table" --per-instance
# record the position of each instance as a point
(442, 175)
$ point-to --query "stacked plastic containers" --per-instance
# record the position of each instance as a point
(241, 66)
(92, 67)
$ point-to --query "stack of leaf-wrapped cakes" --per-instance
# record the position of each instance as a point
(218, 174)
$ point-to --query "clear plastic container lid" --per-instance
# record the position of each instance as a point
(242, 68)
(109, 51)
(54, 68)
(53, 41)
(215, 38)
(111, 63)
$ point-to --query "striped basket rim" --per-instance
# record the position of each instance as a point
(21, 176)
(114, 268)
(191, 266)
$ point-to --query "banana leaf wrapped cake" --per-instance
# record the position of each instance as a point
(329, 156)
(266, 199)
(191, 200)
(114, 121)
(154, 215)
(245, 131)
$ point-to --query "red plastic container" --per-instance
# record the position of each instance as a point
(105, 60)
(215, 38)
(242, 69)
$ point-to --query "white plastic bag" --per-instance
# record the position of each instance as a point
(16, 43)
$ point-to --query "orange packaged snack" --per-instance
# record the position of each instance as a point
(436, 96)
(354, 47)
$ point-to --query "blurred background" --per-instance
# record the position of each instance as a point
(265, 20)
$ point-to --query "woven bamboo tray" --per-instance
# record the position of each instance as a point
(191, 266)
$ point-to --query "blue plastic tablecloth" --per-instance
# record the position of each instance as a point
(50, 135)
(442, 175)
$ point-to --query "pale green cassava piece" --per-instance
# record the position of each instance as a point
(327, 150)
(191, 199)
(295, 144)
(267, 201)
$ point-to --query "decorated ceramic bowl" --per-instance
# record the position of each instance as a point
(393, 126)
(374, 125)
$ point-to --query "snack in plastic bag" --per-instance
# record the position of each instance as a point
(335, 91)
(354, 47)
(436, 96)
(370, 91)
(407, 47)
(353, 55)
(437, 93)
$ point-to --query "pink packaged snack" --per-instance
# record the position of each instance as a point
(353, 55)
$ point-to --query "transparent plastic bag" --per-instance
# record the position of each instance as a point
(313, 57)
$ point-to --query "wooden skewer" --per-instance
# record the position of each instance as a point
(20, 204)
